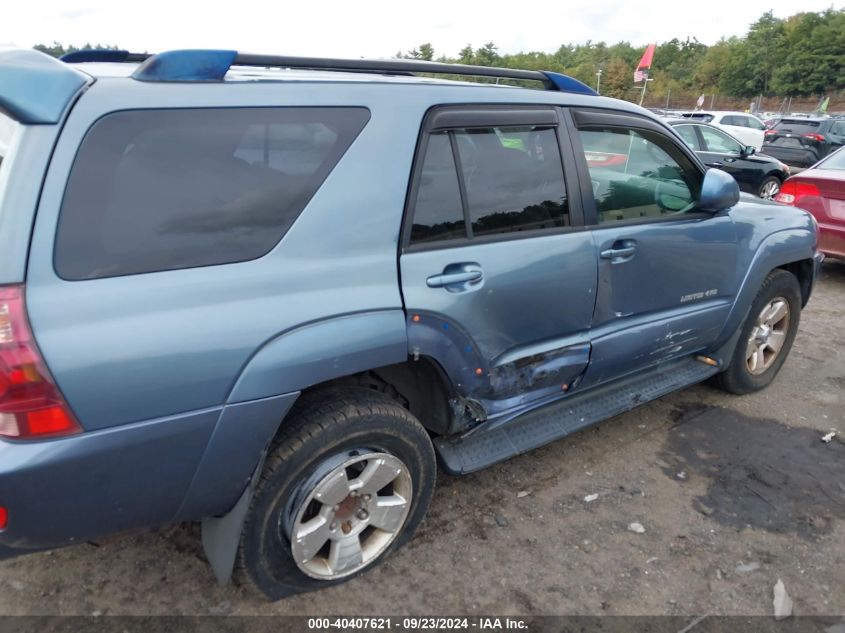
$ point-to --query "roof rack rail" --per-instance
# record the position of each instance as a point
(102, 55)
(212, 65)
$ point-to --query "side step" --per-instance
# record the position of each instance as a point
(483, 448)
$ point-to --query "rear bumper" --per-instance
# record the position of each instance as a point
(74, 489)
(832, 240)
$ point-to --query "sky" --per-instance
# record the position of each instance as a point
(380, 28)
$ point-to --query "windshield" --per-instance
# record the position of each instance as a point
(698, 116)
(834, 161)
(7, 127)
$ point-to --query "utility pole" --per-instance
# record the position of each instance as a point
(668, 95)
(598, 81)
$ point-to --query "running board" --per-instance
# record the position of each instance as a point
(483, 448)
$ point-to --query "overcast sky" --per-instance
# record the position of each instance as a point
(377, 28)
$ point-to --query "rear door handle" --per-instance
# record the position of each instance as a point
(457, 277)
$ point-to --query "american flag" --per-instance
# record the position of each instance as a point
(641, 73)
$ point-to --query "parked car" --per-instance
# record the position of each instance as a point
(804, 141)
(757, 174)
(265, 292)
(746, 127)
(821, 191)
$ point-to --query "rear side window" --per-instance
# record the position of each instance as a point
(687, 132)
(512, 180)
(154, 190)
(438, 214)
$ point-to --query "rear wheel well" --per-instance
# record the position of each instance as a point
(803, 272)
(421, 386)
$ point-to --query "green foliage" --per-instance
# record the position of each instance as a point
(56, 49)
(800, 55)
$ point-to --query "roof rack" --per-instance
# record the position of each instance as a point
(212, 65)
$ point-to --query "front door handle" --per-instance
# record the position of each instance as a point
(621, 251)
(457, 277)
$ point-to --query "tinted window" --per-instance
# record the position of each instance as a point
(719, 142)
(438, 213)
(700, 116)
(798, 126)
(514, 179)
(154, 190)
(687, 133)
(838, 128)
(733, 120)
(635, 176)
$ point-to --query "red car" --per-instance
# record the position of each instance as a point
(821, 191)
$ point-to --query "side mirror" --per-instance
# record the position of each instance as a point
(719, 191)
(749, 150)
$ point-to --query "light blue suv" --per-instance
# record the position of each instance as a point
(267, 293)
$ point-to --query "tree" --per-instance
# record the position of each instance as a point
(487, 55)
(57, 49)
(466, 56)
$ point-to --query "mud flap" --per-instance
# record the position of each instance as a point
(221, 536)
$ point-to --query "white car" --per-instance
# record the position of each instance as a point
(745, 127)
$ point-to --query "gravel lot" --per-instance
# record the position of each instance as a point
(733, 493)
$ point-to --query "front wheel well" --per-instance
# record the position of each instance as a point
(421, 386)
(803, 272)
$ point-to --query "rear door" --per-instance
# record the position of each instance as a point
(722, 151)
(746, 128)
(667, 272)
(498, 275)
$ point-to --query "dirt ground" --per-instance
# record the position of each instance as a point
(733, 494)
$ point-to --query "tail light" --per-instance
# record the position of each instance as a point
(770, 132)
(818, 138)
(792, 191)
(30, 403)
(4, 518)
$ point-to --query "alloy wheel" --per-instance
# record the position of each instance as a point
(350, 515)
(767, 336)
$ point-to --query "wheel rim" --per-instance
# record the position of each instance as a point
(350, 515)
(767, 336)
(770, 189)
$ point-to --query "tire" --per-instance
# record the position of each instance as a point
(331, 436)
(752, 368)
(769, 188)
